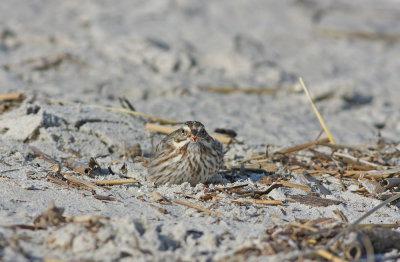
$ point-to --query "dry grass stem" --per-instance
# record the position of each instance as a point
(82, 183)
(291, 185)
(116, 182)
(353, 160)
(12, 96)
(329, 256)
(58, 181)
(261, 201)
(169, 129)
(303, 146)
(203, 209)
(321, 120)
(159, 209)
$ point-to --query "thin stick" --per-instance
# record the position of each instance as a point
(107, 198)
(321, 120)
(291, 185)
(303, 146)
(261, 201)
(116, 182)
(59, 181)
(289, 149)
(352, 225)
(354, 160)
(159, 209)
(169, 129)
(83, 183)
(203, 209)
(329, 256)
(12, 96)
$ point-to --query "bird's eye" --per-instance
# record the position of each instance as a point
(183, 131)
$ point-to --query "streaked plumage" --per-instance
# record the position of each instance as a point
(187, 154)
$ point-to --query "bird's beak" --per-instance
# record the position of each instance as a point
(193, 136)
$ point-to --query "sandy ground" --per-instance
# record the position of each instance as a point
(164, 56)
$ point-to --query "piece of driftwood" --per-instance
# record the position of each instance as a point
(314, 200)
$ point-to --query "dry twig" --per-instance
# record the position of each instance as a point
(329, 256)
(116, 182)
(203, 209)
(10, 97)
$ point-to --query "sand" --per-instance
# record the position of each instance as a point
(71, 58)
